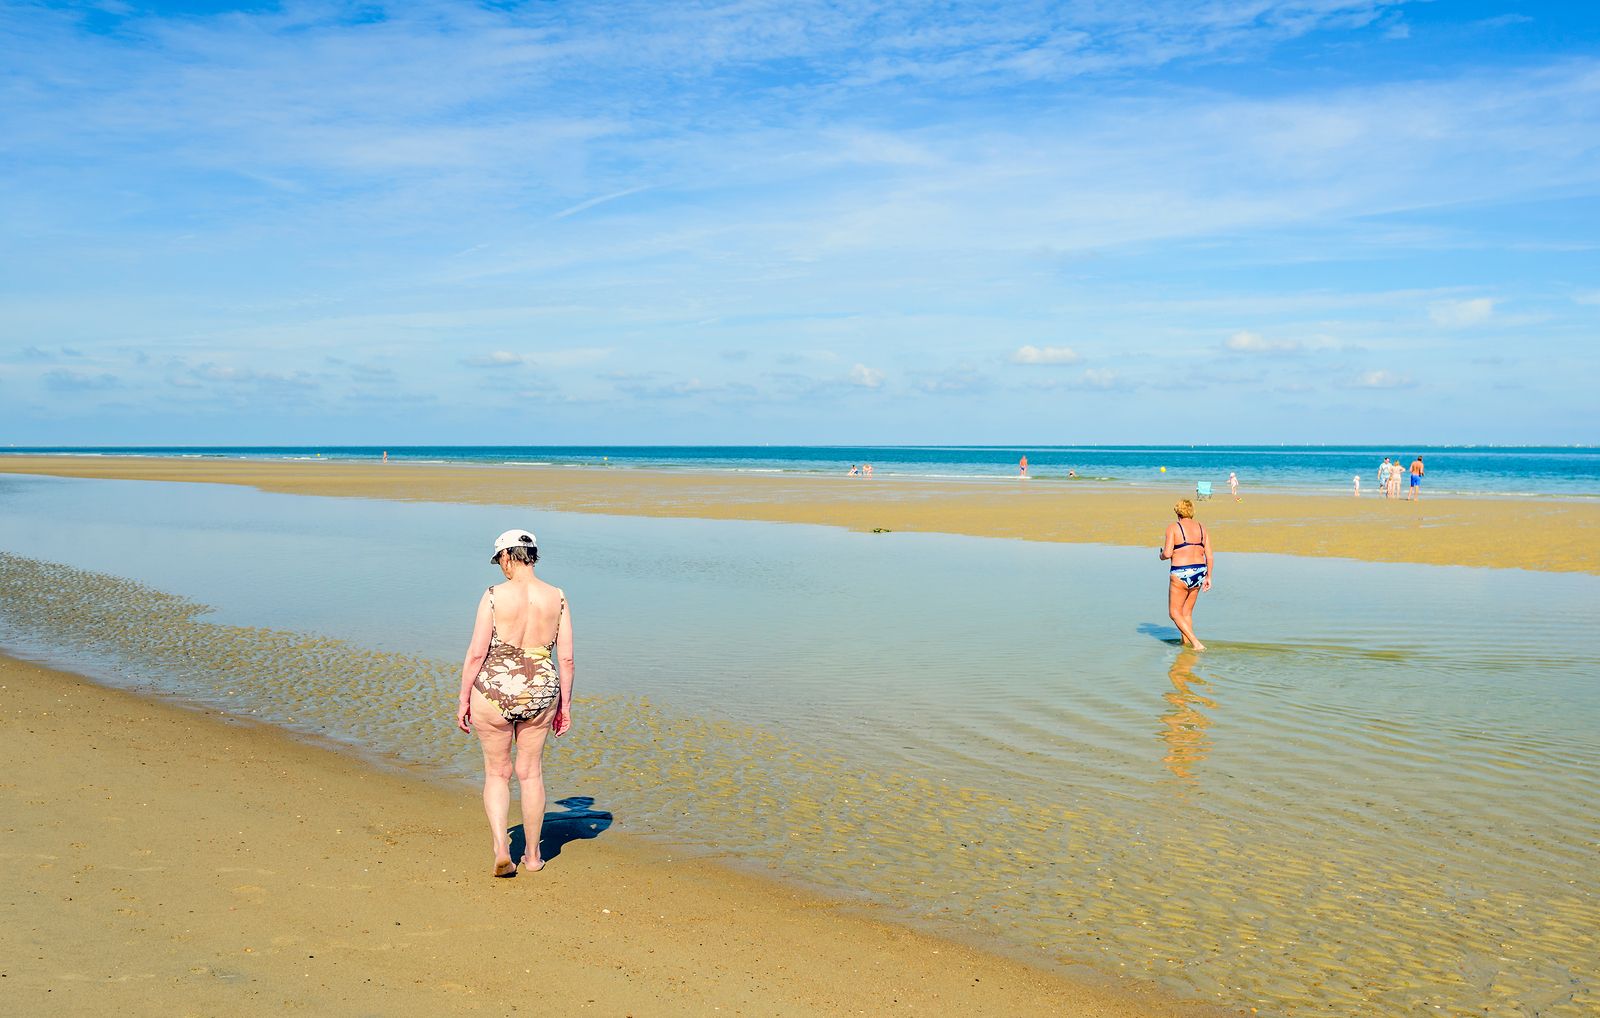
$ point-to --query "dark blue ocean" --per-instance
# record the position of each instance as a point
(1480, 470)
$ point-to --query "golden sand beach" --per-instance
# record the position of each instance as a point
(1541, 534)
(168, 861)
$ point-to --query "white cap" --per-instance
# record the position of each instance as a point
(513, 539)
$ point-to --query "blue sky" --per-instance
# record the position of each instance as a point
(798, 221)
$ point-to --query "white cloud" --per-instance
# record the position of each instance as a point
(496, 359)
(1455, 314)
(1099, 378)
(1045, 355)
(1253, 342)
(1383, 380)
(862, 375)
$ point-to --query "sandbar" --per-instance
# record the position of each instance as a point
(1545, 534)
(162, 860)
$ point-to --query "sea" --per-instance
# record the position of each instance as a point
(1562, 471)
(1374, 794)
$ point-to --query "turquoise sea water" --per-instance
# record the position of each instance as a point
(1374, 795)
(1567, 471)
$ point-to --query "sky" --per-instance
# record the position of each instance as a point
(841, 222)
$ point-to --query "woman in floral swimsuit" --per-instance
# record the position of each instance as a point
(512, 693)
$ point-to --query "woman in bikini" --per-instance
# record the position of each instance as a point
(513, 694)
(1188, 547)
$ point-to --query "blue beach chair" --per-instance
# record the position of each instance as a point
(1202, 490)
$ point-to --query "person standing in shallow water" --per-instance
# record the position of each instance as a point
(512, 694)
(1188, 548)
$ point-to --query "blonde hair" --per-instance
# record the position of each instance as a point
(1184, 508)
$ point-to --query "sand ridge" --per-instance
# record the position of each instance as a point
(1555, 535)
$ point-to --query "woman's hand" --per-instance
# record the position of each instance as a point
(563, 720)
(464, 716)
(1205, 584)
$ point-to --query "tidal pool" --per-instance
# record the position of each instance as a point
(1373, 795)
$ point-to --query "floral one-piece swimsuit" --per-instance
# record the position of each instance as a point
(522, 683)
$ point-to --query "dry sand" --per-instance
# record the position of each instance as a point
(1543, 534)
(166, 861)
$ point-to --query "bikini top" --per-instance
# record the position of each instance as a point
(494, 633)
(1188, 543)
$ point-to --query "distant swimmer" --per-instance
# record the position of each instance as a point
(1233, 484)
(1071, 472)
(1416, 479)
(386, 455)
(867, 470)
(1023, 467)
(1192, 564)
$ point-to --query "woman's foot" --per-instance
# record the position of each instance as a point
(505, 867)
(533, 865)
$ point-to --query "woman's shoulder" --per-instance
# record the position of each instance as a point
(550, 590)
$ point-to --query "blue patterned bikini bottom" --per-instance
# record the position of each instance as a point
(1191, 575)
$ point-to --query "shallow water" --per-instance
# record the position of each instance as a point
(1374, 795)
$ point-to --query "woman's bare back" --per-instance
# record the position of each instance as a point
(527, 615)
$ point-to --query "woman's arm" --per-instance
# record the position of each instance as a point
(1166, 548)
(563, 718)
(477, 650)
(1211, 564)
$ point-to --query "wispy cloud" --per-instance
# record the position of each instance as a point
(1382, 380)
(868, 378)
(963, 379)
(1090, 379)
(661, 386)
(1045, 355)
(494, 359)
(592, 202)
(1455, 314)
(65, 380)
(1254, 342)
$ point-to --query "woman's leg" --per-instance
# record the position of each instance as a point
(1177, 594)
(495, 734)
(1191, 595)
(530, 779)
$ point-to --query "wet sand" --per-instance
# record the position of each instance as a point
(1540, 534)
(163, 860)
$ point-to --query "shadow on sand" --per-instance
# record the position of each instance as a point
(579, 822)
(1164, 633)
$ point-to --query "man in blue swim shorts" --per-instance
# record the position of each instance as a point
(1416, 480)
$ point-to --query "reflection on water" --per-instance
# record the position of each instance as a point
(1384, 797)
(1183, 728)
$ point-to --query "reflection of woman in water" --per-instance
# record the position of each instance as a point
(512, 693)
(1183, 728)
(1188, 547)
